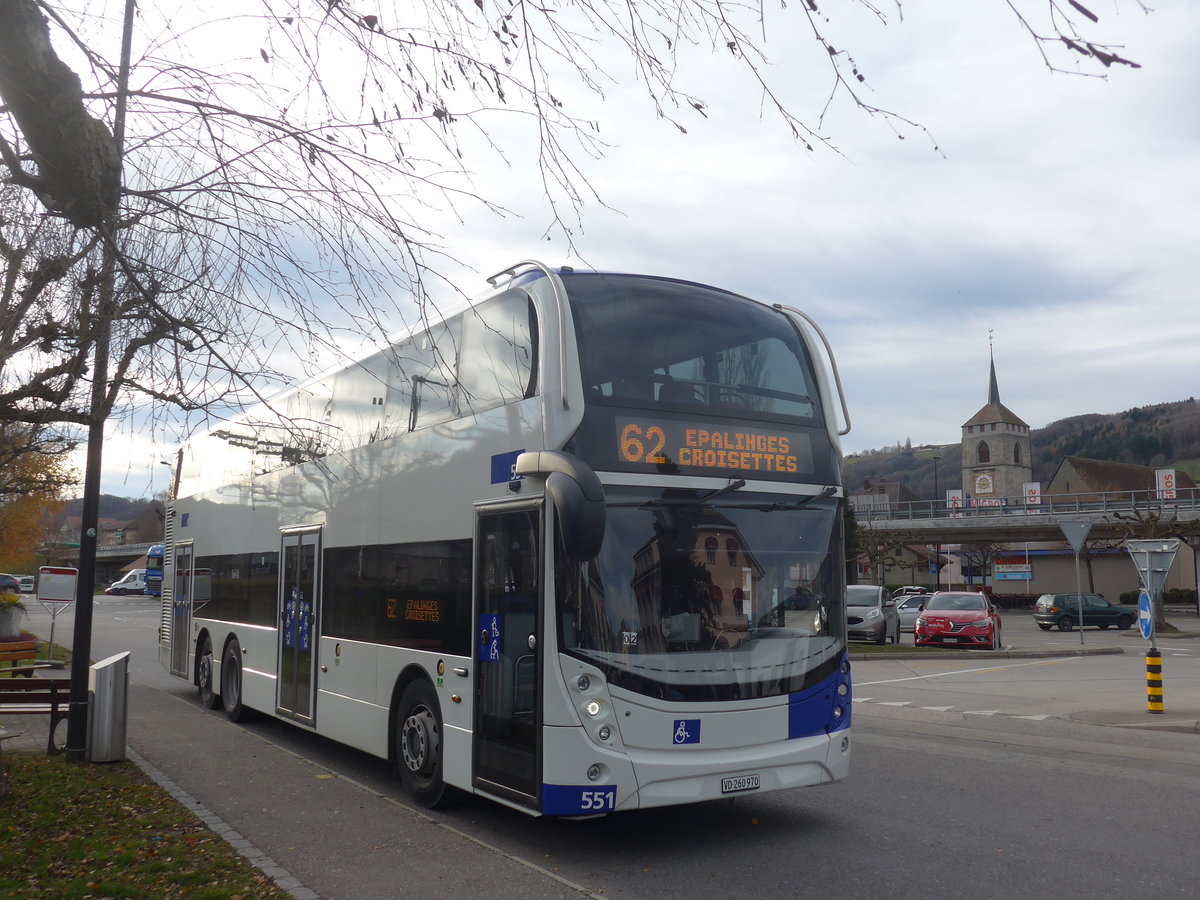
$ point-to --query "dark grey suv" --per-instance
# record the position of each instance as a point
(1061, 611)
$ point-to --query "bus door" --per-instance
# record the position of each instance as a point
(181, 611)
(508, 643)
(298, 599)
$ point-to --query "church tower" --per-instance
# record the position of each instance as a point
(996, 450)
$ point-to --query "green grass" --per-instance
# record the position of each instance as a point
(886, 649)
(43, 653)
(60, 653)
(79, 830)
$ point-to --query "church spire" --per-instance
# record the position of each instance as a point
(993, 387)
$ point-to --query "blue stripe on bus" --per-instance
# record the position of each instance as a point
(811, 712)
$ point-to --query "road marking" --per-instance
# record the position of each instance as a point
(1040, 662)
(967, 712)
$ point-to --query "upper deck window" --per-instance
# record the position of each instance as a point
(498, 363)
(650, 342)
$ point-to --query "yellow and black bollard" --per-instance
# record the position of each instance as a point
(1154, 681)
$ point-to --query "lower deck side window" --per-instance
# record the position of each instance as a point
(404, 595)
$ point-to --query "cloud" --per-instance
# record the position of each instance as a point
(1059, 214)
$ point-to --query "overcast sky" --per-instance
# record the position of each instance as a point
(1059, 216)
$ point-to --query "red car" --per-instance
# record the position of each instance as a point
(960, 619)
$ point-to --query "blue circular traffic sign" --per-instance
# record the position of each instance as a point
(1145, 615)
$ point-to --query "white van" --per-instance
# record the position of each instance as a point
(134, 582)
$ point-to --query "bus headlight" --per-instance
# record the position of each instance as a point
(604, 733)
(582, 683)
(593, 708)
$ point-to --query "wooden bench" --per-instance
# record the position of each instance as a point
(14, 652)
(36, 697)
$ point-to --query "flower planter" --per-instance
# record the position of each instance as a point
(10, 622)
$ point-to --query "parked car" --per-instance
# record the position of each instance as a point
(134, 582)
(909, 589)
(1061, 611)
(908, 607)
(9, 583)
(27, 583)
(959, 618)
(871, 614)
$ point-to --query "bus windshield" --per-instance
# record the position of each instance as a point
(727, 353)
(696, 600)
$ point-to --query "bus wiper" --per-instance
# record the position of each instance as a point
(735, 484)
(827, 491)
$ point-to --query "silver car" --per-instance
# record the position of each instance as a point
(908, 607)
(871, 614)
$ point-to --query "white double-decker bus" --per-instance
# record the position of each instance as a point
(577, 548)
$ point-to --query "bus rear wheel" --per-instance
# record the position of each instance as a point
(204, 674)
(231, 684)
(419, 745)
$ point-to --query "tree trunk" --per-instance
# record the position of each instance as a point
(78, 172)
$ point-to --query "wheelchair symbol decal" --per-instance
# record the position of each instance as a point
(686, 731)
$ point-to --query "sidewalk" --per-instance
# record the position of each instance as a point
(320, 835)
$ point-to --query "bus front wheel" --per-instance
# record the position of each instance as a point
(231, 684)
(419, 744)
(204, 674)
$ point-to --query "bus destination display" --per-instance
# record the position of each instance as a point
(748, 451)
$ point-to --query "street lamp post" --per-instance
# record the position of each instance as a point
(937, 547)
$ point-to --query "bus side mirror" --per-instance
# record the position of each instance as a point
(578, 498)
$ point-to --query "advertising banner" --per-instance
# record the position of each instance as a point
(1165, 481)
(954, 502)
(1033, 497)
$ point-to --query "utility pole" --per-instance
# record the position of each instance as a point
(77, 712)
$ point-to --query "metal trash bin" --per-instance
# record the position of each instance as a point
(108, 697)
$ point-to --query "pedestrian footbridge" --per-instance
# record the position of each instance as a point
(1115, 515)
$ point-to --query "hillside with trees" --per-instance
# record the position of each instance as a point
(1161, 435)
